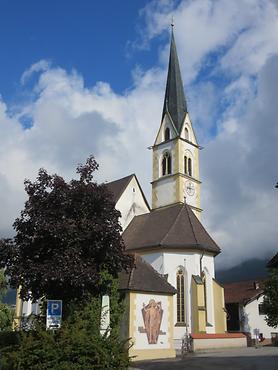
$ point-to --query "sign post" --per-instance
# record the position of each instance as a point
(53, 314)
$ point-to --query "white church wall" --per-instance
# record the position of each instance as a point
(172, 261)
(208, 263)
(253, 322)
(155, 260)
(131, 203)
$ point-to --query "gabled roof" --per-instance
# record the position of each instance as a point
(243, 291)
(143, 277)
(175, 227)
(117, 187)
(273, 263)
(174, 101)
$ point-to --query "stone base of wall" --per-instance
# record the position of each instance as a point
(151, 354)
(201, 342)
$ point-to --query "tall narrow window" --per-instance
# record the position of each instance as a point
(169, 164)
(180, 297)
(189, 167)
(166, 164)
(186, 134)
(167, 134)
(185, 164)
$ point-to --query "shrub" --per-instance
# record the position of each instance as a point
(78, 345)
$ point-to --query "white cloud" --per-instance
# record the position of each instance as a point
(40, 66)
(227, 53)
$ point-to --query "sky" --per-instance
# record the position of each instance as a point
(87, 77)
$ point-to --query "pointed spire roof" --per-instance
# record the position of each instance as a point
(174, 101)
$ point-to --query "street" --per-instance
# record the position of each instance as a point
(264, 358)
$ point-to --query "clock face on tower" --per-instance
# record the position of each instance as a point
(189, 188)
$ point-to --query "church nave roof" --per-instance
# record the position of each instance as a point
(174, 227)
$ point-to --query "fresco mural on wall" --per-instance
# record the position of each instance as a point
(152, 316)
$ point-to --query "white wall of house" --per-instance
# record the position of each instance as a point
(253, 322)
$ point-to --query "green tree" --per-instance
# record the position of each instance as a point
(6, 313)
(66, 235)
(271, 298)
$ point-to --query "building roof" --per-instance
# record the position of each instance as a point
(143, 277)
(174, 101)
(117, 187)
(174, 227)
(243, 291)
(273, 263)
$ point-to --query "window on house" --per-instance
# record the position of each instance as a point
(167, 134)
(186, 134)
(189, 167)
(180, 297)
(261, 309)
(166, 164)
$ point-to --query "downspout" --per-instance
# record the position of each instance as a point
(201, 266)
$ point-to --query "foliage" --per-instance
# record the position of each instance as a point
(77, 345)
(3, 285)
(67, 233)
(271, 298)
(6, 313)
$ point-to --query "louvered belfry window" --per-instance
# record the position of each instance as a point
(166, 164)
(180, 297)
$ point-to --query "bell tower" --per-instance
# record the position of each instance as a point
(175, 150)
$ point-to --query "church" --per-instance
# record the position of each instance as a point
(171, 292)
(174, 278)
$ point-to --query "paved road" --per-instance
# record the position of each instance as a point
(265, 358)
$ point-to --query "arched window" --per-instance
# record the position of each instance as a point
(166, 164)
(189, 167)
(180, 297)
(186, 133)
(185, 164)
(167, 134)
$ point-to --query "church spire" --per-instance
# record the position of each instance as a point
(174, 101)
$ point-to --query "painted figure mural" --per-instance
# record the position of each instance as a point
(152, 316)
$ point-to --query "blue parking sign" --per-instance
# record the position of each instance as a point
(54, 308)
(54, 314)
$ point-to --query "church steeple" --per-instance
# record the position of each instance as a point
(175, 150)
(174, 101)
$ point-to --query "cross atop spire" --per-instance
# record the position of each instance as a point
(174, 101)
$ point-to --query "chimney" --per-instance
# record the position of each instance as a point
(256, 285)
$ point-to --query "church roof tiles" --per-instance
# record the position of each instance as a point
(174, 227)
(143, 277)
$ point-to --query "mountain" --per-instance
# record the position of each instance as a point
(248, 270)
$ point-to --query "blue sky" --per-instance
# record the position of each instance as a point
(89, 36)
(88, 77)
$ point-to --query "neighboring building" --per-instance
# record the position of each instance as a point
(244, 301)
